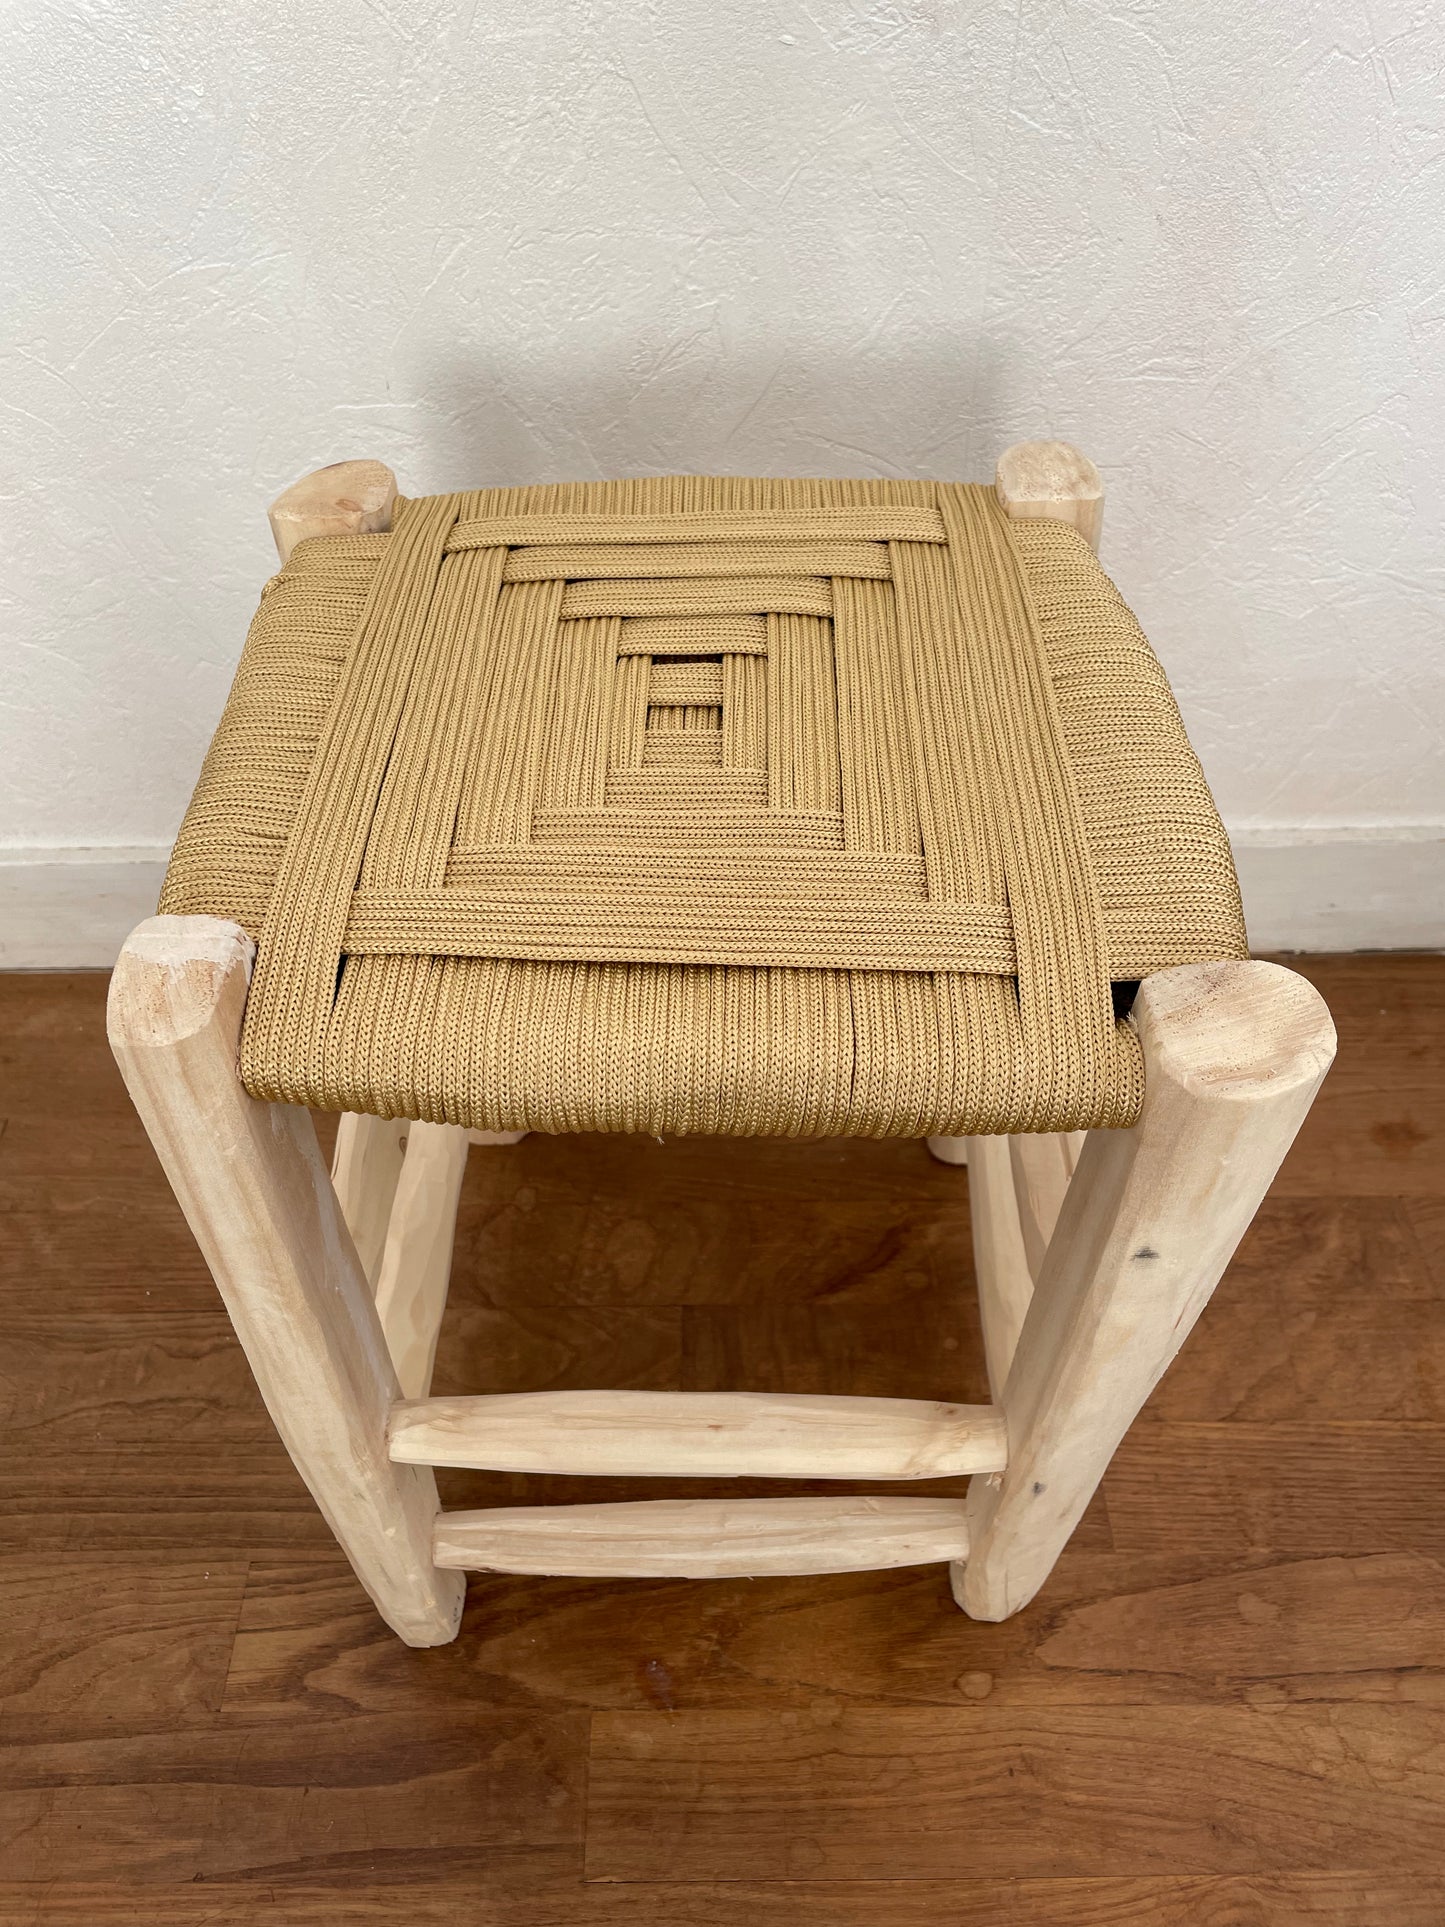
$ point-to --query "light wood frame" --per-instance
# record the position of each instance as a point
(1094, 1257)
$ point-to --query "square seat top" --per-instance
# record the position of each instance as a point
(704, 804)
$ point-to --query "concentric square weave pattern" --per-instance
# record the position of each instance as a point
(687, 804)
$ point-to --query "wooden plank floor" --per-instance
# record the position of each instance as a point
(1227, 1709)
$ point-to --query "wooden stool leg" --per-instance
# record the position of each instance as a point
(250, 1180)
(1054, 482)
(948, 1150)
(1000, 1260)
(1233, 1055)
(1016, 1188)
(365, 1170)
(416, 1265)
(399, 1185)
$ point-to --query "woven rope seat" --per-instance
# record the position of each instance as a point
(744, 807)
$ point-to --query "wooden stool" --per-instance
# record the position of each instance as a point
(1095, 1251)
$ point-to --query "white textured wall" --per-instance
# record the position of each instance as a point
(497, 243)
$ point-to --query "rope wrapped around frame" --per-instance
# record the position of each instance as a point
(761, 819)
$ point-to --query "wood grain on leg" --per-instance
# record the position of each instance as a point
(346, 498)
(416, 1266)
(1051, 481)
(1000, 1261)
(250, 1180)
(365, 1170)
(1233, 1055)
(948, 1150)
(1042, 1165)
(1015, 1188)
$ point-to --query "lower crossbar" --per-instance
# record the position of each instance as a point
(705, 1538)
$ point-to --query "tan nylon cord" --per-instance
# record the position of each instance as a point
(704, 804)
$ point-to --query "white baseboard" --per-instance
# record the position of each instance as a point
(1354, 893)
(71, 909)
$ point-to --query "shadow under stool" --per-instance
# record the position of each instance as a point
(723, 806)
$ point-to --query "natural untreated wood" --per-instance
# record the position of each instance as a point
(365, 1169)
(207, 1718)
(1042, 1166)
(835, 1793)
(416, 1265)
(1053, 481)
(949, 1150)
(701, 1434)
(1233, 1055)
(347, 498)
(398, 1184)
(1000, 1261)
(705, 1538)
(256, 1195)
